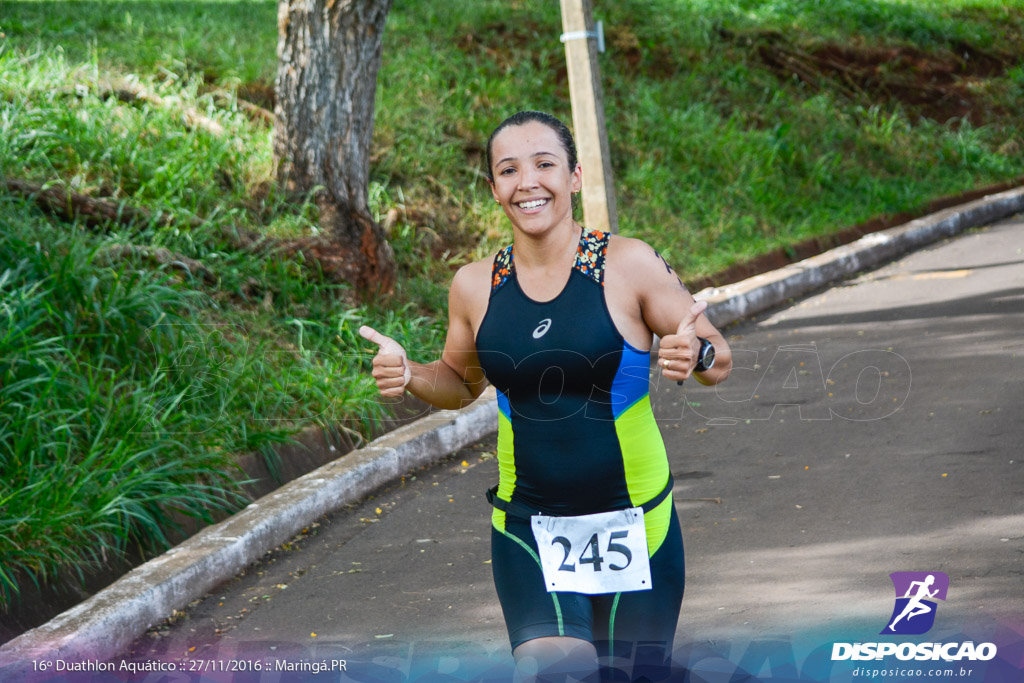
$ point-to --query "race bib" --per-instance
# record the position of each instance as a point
(594, 554)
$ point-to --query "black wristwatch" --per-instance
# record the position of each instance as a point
(705, 357)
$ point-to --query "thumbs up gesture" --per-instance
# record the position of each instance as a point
(390, 365)
(677, 353)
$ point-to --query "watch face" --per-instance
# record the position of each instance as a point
(707, 355)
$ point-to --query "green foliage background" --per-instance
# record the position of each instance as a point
(126, 388)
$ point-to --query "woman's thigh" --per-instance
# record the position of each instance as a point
(530, 611)
(635, 630)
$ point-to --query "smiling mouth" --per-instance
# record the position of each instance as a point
(532, 204)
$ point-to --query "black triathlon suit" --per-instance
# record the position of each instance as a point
(576, 436)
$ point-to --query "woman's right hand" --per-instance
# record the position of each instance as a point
(390, 365)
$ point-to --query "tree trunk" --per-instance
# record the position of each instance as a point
(329, 52)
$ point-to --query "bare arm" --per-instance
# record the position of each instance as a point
(454, 380)
(670, 311)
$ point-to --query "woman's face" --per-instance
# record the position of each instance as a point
(532, 178)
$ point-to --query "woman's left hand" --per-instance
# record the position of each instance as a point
(677, 353)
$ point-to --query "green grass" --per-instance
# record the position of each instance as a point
(126, 388)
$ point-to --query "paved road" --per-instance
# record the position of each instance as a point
(872, 428)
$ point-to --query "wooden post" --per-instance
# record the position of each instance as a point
(588, 116)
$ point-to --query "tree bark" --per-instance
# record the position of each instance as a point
(329, 52)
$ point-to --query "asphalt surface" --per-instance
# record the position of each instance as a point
(874, 427)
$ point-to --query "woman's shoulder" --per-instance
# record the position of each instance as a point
(473, 280)
(636, 264)
(631, 252)
(473, 272)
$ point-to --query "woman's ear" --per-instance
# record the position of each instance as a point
(577, 178)
(494, 193)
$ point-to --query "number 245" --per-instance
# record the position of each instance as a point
(595, 558)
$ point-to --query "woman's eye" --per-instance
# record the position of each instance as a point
(507, 171)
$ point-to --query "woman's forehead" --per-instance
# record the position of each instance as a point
(525, 140)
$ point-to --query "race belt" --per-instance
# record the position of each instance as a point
(604, 552)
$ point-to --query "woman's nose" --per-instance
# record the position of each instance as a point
(528, 178)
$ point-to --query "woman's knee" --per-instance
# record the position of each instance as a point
(556, 658)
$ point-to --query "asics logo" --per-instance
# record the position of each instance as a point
(542, 328)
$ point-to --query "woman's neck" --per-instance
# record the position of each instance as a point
(549, 250)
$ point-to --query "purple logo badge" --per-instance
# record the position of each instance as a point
(916, 593)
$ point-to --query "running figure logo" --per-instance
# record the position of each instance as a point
(914, 612)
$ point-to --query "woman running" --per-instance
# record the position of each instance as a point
(586, 549)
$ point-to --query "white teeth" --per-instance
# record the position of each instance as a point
(533, 205)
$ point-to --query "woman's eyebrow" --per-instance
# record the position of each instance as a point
(534, 155)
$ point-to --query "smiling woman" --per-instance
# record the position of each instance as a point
(586, 548)
(544, 143)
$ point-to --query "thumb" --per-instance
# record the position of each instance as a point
(386, 344)
(689, 321)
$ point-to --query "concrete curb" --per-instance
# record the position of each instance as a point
(104, 625)
(108, 622)
(753, 295)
